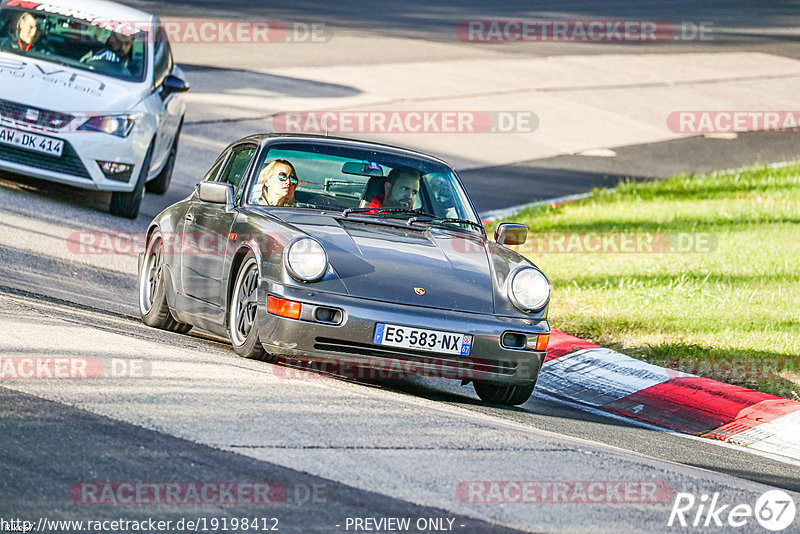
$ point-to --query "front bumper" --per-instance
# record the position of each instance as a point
(351, 341)
(77, 166)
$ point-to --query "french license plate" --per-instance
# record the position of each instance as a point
(29, 141)
(406, 337)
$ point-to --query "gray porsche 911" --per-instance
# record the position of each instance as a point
(325, 249)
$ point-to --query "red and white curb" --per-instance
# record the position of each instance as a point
(608, 380)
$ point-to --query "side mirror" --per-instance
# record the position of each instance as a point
(511, 234)
(215, 192)
(173, 84)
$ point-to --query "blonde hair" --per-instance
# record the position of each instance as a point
(266, 171)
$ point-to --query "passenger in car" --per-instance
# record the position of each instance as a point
(278, 182)
(26, 35)
(400, 190)
(117, 51)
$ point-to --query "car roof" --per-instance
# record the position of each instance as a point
(98, 8)
(359, 143)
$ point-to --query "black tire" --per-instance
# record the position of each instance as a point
(153, 305)
(127, 204)
(505, 394)
(160, 184)
(243, 312)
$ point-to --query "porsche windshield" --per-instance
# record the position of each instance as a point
(360, 182)
(80, 44)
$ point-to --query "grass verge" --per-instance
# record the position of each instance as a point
(698, 273)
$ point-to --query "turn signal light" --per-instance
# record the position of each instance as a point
(284, 308)
(541, 343)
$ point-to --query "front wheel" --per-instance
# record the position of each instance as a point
(153, 305)
(160, 184)
(127, 204)
(243, 312)
(505, 394)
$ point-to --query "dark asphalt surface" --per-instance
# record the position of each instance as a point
(81, 447)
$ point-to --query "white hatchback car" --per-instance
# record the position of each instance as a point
(89, 97)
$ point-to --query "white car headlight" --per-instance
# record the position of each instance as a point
(306, 260)
(119, 125)
(528, 289)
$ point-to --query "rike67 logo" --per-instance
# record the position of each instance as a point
(775, 510)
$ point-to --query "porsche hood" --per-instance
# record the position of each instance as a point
(419, 266)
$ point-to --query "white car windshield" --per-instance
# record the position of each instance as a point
(97, 46)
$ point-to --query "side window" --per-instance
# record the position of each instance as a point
(440, 196)
(212, 173)
(162, 58)
(235, 168)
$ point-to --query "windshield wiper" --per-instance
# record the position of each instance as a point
(419, 216)
(348, 211)
(444, 220)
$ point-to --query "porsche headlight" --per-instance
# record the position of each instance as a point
(529, 289)
(119, 125)
(306, 260)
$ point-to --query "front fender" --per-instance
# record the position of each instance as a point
(267, 238)
(503, 262)
(169, 223)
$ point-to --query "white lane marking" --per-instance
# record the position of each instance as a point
(597, 153)
(721, 136)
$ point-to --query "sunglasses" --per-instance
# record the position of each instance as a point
(282, 176)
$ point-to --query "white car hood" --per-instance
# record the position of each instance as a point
(57, 87)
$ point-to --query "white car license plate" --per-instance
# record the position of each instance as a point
(29, 141)
(420, 339)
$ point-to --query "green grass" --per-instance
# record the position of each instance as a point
(694, 311)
